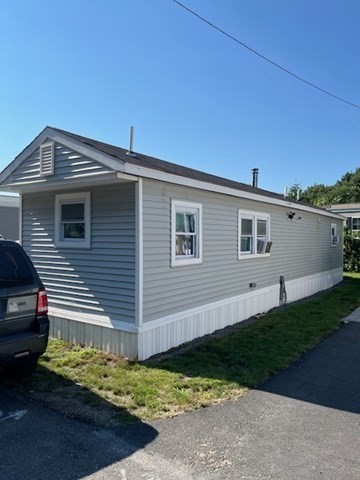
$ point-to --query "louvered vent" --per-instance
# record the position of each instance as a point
(47, 159)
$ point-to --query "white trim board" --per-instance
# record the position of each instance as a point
(139, 257)
(173, 330)
(167, 332)
(212, 187)
(93, 319)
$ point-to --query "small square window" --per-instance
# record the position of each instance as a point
(186, 223)
(72, 220)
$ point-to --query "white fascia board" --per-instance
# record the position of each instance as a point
(212, 187)
(125, 176)
(49, 133)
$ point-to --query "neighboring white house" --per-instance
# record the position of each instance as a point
(139, 255)
(351, 212)
(9, 216)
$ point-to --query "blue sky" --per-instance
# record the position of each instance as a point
(194, 97)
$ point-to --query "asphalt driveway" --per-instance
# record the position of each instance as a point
(303, 424)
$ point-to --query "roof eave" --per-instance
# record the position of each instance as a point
(153, 174)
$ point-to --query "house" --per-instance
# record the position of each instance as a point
(9, 216)
(351, 212)
(140, 255)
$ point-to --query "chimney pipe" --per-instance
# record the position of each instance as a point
(255, 172)
(131, 143)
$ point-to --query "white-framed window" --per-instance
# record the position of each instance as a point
(47, 158)
(334, 239)
(73, 220)
(186, 233)
(254, 234)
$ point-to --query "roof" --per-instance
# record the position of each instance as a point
(345, 208)
(168, 167)
(119, 160)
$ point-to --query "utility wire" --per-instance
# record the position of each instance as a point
(263, 56)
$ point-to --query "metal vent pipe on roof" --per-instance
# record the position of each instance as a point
(131, 143)
(255, 178)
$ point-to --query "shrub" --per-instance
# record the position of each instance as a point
(351, 253)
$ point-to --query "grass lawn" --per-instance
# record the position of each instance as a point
(89, 384)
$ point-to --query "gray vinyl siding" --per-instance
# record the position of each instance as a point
(300, 248)
(99, 280)
(9, 222)
(69, 166)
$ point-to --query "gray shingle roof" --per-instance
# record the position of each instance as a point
(167, 167)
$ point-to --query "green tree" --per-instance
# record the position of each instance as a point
(345, 190)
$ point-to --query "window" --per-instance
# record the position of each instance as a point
(356, 223)
(335, 239)
(186, 224)
(254, 234)
(72, 220)
(47, 159)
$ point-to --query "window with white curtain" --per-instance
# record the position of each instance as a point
(186, 227)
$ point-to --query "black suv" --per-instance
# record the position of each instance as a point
(24, 324)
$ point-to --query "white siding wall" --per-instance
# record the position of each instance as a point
(99, 281)
(301, 248)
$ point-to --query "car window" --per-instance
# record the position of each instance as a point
(14, 267)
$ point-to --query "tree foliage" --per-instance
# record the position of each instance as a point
(345, 190)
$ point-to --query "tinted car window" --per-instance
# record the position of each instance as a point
(14, 267)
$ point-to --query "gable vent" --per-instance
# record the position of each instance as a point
(47, 159)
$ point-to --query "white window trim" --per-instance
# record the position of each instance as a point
(181, 261)
(44, 146)
(334, 239)
(255, 216)
(72, 198)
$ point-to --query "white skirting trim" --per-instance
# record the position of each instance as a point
(107, 339)
(92, 319)
(167, 332)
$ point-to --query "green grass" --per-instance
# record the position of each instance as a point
(88, 383)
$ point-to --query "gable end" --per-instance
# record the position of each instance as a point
(47, 159)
